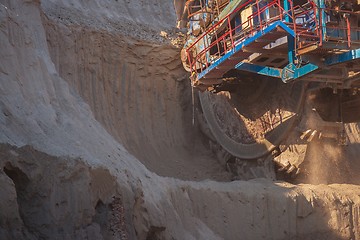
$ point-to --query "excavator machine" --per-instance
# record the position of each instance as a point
(273, 76)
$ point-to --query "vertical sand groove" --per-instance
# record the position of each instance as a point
(141, 104)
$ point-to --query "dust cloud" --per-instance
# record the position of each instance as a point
(328, 162)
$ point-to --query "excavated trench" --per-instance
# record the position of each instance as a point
(93, 96)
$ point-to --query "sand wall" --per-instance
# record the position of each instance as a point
(139, 91)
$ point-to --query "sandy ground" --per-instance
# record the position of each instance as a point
(90, 117)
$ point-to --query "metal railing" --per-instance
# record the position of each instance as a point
(223, 36)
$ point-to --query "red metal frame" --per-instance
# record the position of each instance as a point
(227, 41)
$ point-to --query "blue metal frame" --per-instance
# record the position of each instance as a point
(290, 38)
(343, 57)
(287, 10)
(267, 71)
(245, 43)
(289, 73)
(304, 70)
(321, 15)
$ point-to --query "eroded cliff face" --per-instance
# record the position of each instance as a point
(68, 115)
(138, 90)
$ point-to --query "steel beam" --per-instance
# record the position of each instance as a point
(304, 70)
(291, 72)
(267, 71)
(343, 57)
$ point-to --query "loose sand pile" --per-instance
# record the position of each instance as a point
(76, 92)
